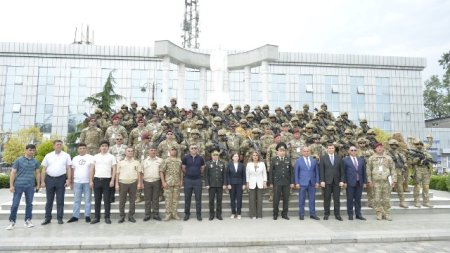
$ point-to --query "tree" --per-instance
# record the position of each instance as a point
(15, 146)
(107, 97)
(435, 98)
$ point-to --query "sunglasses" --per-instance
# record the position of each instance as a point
(352, 149)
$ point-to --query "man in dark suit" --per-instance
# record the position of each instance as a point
(281, 178)
(306, 171)
(331, 173)
(215, 184)
(355, 179)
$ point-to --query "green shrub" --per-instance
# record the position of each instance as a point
(442, 184)
(448, 183)
(433, 181)
(4, 181)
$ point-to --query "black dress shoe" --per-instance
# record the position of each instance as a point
(186, 217)
(275, 217)
(147, 218)
(325, 217)
(211, 217)
(121, 220)
(73, 219)
(88, 219)
(350, 217)
(45, 222)
(285, 217)
(219, 217)
(60, 221)
(338, 217)
(131, 219)
(314, 217)
(360, 218)
(95, 221)
(301, 217)
(199, 218)
(107, 220)
(156, 217)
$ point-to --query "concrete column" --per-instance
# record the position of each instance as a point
(247, 85)
(265, 81)
(180, 88)
(203, 87)
(165, 81)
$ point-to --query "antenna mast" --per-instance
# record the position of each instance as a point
(190, 24)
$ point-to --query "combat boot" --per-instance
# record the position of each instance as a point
(167, 218)
(428, 205)
(379, 216)
(417, 203)
(388, 217)
(402, 204)
(175, 216)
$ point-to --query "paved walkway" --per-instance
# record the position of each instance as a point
(226, 233)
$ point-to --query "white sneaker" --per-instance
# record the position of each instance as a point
(28, 224)
(11, 225)
(253, 218)
(239, 217)
(232, 216)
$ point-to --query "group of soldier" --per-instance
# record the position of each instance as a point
(233, 130)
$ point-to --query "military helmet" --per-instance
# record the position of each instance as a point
(205, 107)
(247, 106)
(363, 121)
(176, 121)
(250, 115)
(199, 122)
(215, 104)
(323, 105)
(173, 100)
(124, 106)
(164, 122)
(331, 128)
(362, 140)
(153, 103)
(258, 107)
(287, 106)
(263, 122)
(243, 121)
(393, 142)
(237, 107)
(217, 119)
(294, 119)
(417, 142)
(266, 107)
(320, 112)
(194, 103)
(195, 131)
(348, 131)
(315, 136)
(315, 119)
(98, 111)
(344, 114)
(142, 111)
(284, 124)
(305, 106)
(256, 130)
(309, 125)
(222, 132)
(272, 115)
(278, 109)
(371, 131)
(133, 103)
(339, 119)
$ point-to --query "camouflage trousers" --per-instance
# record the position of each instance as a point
(399, 185)
(370, 196)
(422, 178)
(93, 151)
(405, 176)
(382, 197)
(172, 195)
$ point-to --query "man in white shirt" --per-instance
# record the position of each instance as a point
(152, 184)
(102, 177)
(55, 179)
(80, 178)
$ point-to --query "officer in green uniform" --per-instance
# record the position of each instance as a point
(215, 184)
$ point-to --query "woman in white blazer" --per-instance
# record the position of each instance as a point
(256, 176)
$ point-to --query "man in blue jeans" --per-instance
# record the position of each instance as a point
(80, 166)
(23, 179)
(193, 166)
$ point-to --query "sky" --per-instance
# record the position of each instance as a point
(414, 28)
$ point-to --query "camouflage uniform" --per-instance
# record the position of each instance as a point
(366, 152)
(118, 151)
(266, 140)
(317, 150)
(187, 126)
(136, 136)
(113, 131)
(171, 168)
(91, 136)
(295, 148)
(196, 140)
(422, 175)
(250, 145)
(379, 168)
(164, 146)
(400, 168)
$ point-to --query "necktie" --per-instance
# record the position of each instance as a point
(332, 159)
(355, 163)
(308, 163)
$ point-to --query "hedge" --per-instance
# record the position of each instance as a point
(4, 181)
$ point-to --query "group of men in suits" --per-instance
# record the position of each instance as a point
(331, 173)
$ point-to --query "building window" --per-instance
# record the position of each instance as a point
(78, 92)
(332, 94)
(192, 86)
(383, 103)
(13, 98)
(256, 90)
(236, 80)
(141, 89)
(358, 99)
(302, 90)
(278, 90)
(44, 101)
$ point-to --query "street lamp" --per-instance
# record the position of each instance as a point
(152, 86)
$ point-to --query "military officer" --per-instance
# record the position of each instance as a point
(382, 177)
(281, 179)
(188, 125)
(164, 147)
(400, 168)
(91, 136)
(114, 130)
(171, 180)
(421, 162)
(215, 184)
(136, 134)
(295, 146)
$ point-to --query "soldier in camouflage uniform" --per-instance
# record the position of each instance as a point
(286, 136)
(112, 131)
(340, 128)
(118, 151)
(195, 111)
(370, 136)
(317, 150)
(153, 125)
(127, 118)
(234, 140)
(152, 111)
(206, 117)
(273, 124)
(420, 161)
(294, 123)
(265, 111)
(400, 168)
(238, 115)
(362, 131)
(246, 110)
(214, 111)
(346, 142)
(346, 122)
(159, 136)
(258, 116)
(173, 111)
(104, 122)
(188, 125)
(330, 136)
(266, 140)
(91, 136)
(318, 129)
(165, 145)
(307, 115)
(205, 134)
(279, 116)
(172, 180)
(221, 145)
(215, 127)
(251, 144)
(134, 108)
(295, 146)
(366, 152)
(196, 140)
(323, 121)
(251, 120)
(227, 117)
(382, 177)
(244, 129)
(328, 114)
(176, 122)
(288, 112)
(308, 134)
(136, 134)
